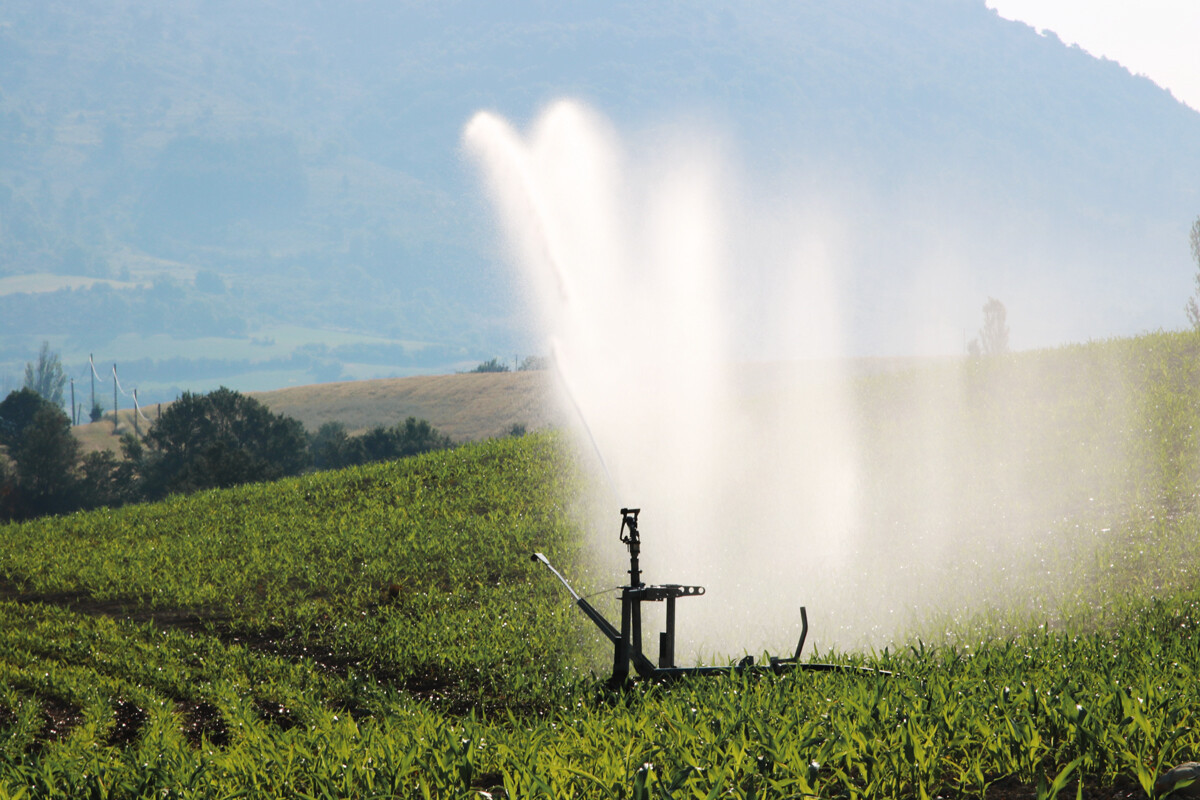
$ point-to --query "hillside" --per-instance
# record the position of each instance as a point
(958, 467)
(1030, 533)
(214, 176)
(467, 407)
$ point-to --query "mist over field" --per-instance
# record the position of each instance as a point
(882, 497)
(215, 193)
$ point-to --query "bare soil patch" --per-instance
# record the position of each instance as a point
(203, 721)
(276, 714)
(128, 721)
(59, 717)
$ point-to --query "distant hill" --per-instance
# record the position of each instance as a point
(223, 172)
(466, 407)
(472, 406)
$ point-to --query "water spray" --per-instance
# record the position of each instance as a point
(566, 390)
(628, 281)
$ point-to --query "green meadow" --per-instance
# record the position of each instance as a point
(380, 632)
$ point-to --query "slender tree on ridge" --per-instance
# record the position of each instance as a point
(1192, 309)
(993, 336)
(46, 377)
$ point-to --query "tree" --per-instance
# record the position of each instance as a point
(97, 479)
(329, 447)
(418, 436)
(492, 365)
(532, 363)
(36, 436)
(333, 448)
(1192, 309)
(377, 444)
(46, 377)
(218, 440)
(106, 481)
(45, 460)
(16, 414)
(412, 437)
(993, 336)
(9, 495)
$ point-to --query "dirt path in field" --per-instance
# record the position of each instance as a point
(430, 685)
(132, 610)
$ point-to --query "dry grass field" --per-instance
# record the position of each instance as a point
(471, 406)
(466, 407)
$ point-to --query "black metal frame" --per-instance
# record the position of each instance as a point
(627, 641)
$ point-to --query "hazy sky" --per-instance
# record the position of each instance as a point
(1156, 38)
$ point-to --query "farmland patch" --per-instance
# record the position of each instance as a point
(381, 632)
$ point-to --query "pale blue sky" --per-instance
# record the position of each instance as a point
(1156, 38)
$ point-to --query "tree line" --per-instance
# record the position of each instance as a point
(201, 441)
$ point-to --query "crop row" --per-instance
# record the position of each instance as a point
(1032, 709)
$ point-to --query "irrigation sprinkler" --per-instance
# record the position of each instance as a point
(627, 640)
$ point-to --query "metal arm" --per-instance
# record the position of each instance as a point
(595, 616)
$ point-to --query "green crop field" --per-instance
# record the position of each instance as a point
(380, 632)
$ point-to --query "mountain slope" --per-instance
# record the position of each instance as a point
(307, 156)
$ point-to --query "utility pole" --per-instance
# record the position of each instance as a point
(92, 367)
(137, 410)
(74, 413)
(116, 416)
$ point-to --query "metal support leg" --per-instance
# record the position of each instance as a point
(666, 640)
(621, 652)
(635, 636)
